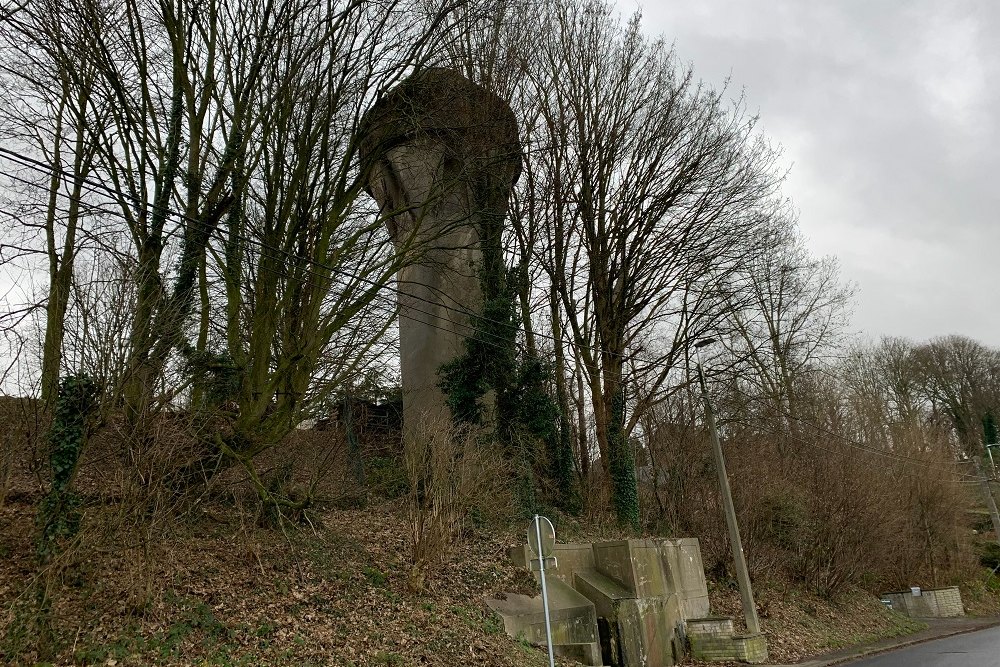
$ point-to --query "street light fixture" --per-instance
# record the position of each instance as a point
(742, 574)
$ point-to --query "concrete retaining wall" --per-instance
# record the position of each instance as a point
(932, 603)
(618, 603)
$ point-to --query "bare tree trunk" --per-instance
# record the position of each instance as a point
(565, 435)
(52, 347)
(581, 426)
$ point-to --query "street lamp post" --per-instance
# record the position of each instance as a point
(742, 574)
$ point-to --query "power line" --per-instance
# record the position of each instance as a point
(41, 167)
(875, 452)
(118, 214)
(842, 438)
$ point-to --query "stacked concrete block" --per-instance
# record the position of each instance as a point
(634, 631)
(640, 591)
(604, 592)
(647, 630)
(570, 558)
(573, 619)
(658, 567)
(682, 559)
(644, 592)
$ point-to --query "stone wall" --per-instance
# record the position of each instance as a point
(932, 603)
(713, 639)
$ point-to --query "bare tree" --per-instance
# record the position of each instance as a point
(306, 260)
(649, 184)
(788, 322)
(882, 377)
(222, 136)
(48, 114)
(958, 378)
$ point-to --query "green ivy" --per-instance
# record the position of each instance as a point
(525, 412)
(59, 511)
(58, 517)
(990, 433)
(624, 493)
(217, 375)
(539, 414)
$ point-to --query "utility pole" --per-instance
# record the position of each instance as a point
(984, 483)
(742, 574)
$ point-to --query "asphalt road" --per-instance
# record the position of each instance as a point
(974, 649)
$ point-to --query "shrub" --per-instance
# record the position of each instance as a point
(454, 472)
(387, 477)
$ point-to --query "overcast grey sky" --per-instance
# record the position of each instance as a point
(889, 115)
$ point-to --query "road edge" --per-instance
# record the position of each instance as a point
(867, 650)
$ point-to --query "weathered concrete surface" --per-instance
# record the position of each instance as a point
(573, 619)
(588, 653)
(640, 631)
(642, 588)
(640, 591)
(607, 596)
(603, 591)
(442, 154)
(647, 630)
(570, 559)
(686, 572)
(656, 568)
(713, 639)
(930, 603)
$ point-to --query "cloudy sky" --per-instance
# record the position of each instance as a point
(889, 115)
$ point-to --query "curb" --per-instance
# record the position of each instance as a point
(866, 651)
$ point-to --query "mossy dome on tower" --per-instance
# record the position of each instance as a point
(441, 155)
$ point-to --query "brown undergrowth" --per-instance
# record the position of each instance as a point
(158, 575)
(799, 624)
(199, 579)
(221, 592)
(216, 591)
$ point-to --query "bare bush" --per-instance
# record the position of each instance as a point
(823, 510)
(454, 474)
(20, 445)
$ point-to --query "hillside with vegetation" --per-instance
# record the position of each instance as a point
(212, 577)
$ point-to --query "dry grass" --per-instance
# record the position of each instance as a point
(160, 577)
(799, 624)
(454, 474)
(829, 516)
(230, 593)
(216, 591)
